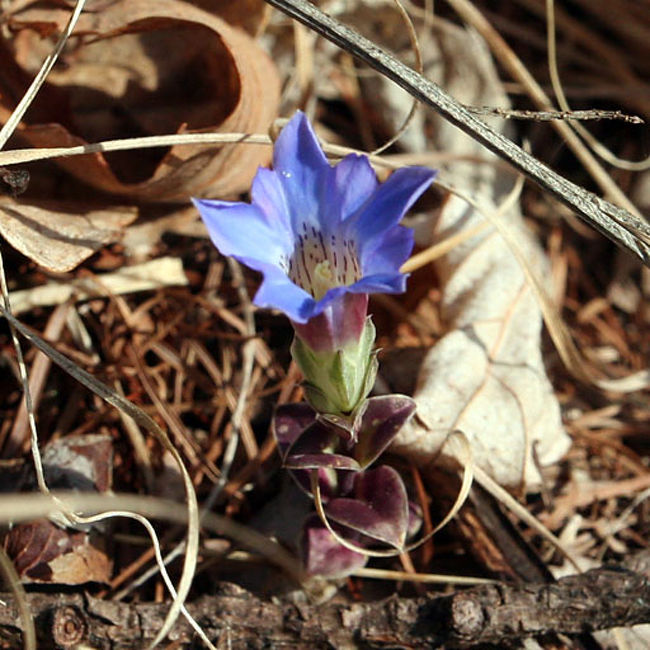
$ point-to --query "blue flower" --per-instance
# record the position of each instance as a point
(324, 237)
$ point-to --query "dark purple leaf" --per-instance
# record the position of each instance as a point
(289, 421)
(345, 427)
(328, 481)
(382, 419)
(380, 509)
(323, 555)
(317, 438)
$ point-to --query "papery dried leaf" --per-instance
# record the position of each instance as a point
(380, 509)
(59, 239)
(45, 553)
(323, 555)
(154, 67)
(486, 377)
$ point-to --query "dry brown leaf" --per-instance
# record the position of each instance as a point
(44, 553)
(145, 67)
(57, 239)
(248, 14)
(486, 376)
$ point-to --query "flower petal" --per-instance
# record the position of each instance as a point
(388, 204)
(391, 251)
(380, 283)
(278, 292)
(268, 195)
(336, 322)
(241, 230)
(353, 182)
(303, 171)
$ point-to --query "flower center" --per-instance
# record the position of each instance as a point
(318, 265)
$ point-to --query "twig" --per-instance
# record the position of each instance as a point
(619, 225)
(546, 116)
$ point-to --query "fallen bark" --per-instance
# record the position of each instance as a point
(599, 599)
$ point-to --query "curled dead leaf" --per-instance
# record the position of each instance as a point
(140, 67)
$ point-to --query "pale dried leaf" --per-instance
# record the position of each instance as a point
(80, 462)
(59, 239)
(486, 376)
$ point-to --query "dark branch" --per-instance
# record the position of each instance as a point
(599, 599)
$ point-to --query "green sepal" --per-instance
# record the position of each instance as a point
(337, 381)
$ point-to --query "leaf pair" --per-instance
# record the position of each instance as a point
(362, 506)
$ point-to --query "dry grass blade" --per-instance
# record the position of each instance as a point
(29, 407)
(426, 578)
(418, 66)
(148, 276)
(504, 497)
(24, 507)
(40, 370)
(19, 156)
(159, 561)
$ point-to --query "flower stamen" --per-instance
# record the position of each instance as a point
(317, 267)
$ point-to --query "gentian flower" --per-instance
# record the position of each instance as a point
(324, 237)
